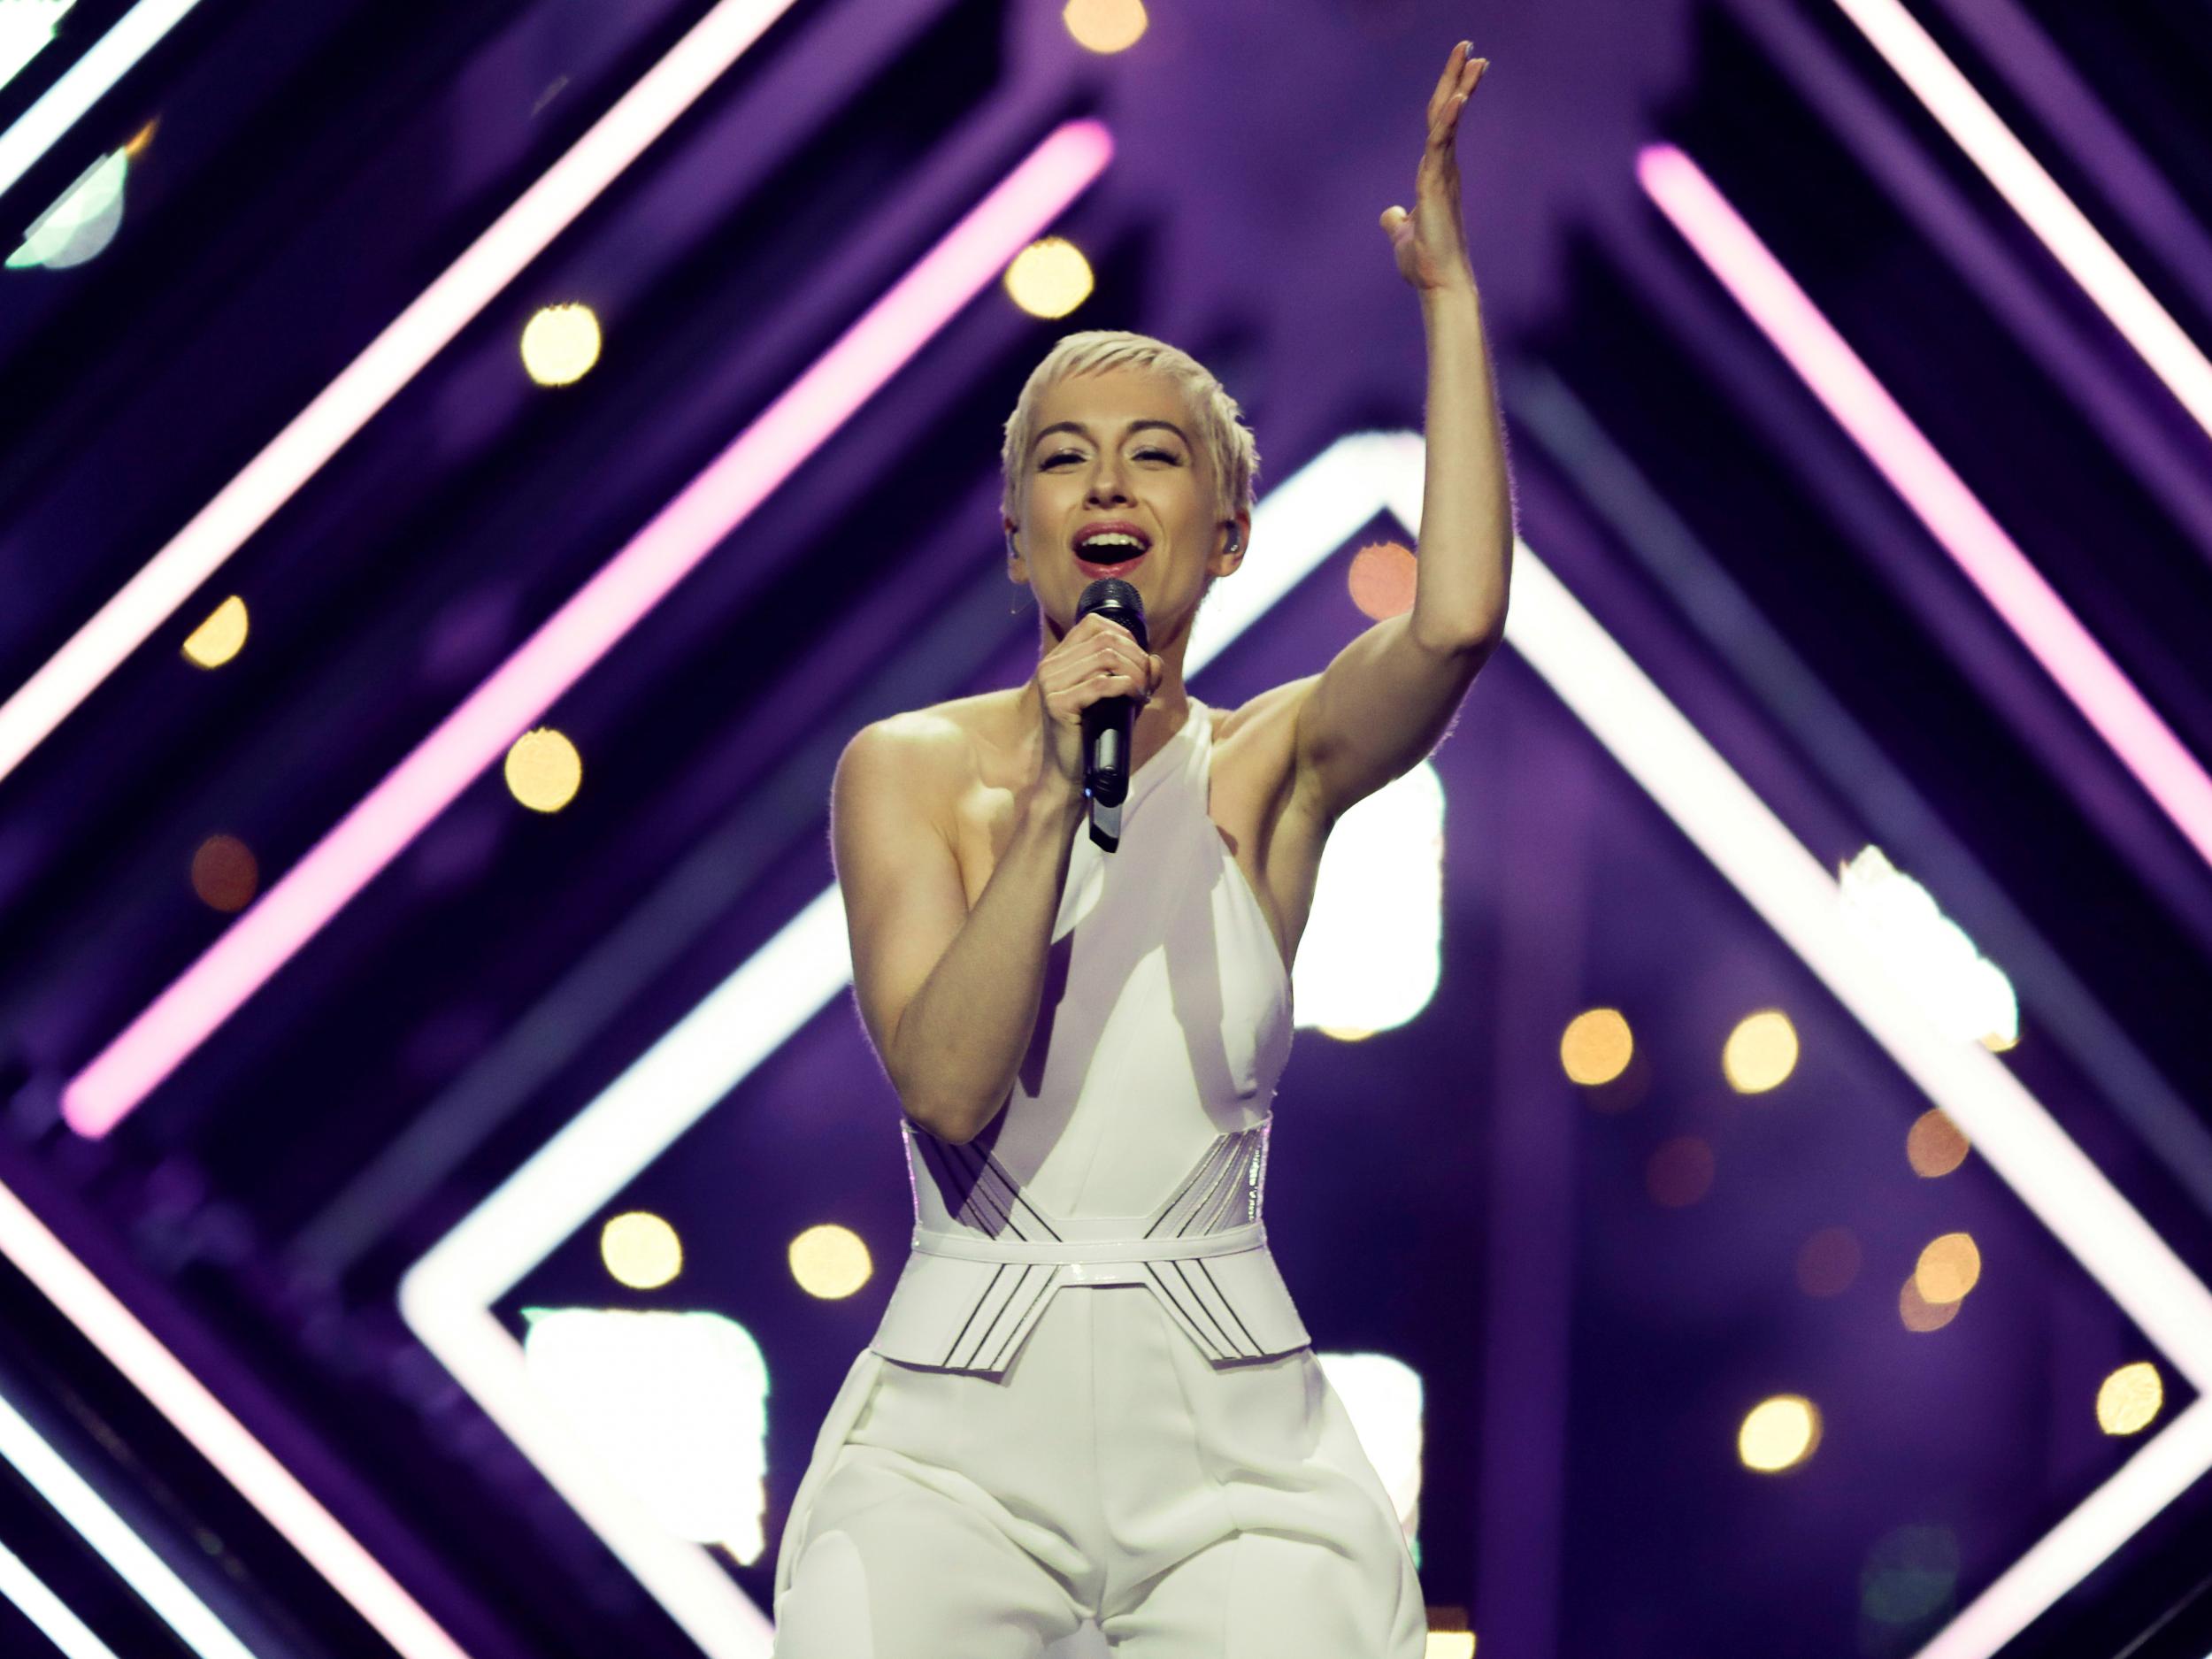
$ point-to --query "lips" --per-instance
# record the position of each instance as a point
(1118, 561)
(1091, 567)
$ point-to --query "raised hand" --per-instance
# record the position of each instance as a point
(1430, 243)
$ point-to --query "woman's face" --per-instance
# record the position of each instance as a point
(1120, 446)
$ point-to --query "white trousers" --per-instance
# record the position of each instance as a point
(1192, 1510)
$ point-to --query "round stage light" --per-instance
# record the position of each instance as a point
(543, 770)
(1105, 27)
(1778, 1433)
(1948, 1269)
(1761, 1052)
(641, 1249)
(1049, 277)
(830, 1262)
(560, 344)
(1597, 1046)
(2129, 1399)
(219, 639)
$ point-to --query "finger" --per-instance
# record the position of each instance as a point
(1454, 62)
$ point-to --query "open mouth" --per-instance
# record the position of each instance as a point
(1110, 566)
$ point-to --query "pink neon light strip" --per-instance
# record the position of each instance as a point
(2035, 195)
(1993, 562)
(219, 1437)
(477, 735)
(385, 367)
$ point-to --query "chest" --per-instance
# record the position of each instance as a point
(1249, 801)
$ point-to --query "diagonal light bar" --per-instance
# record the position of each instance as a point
(386, 365)
(227, 1443)
(446, 1297)
(2036, 196)
(474, 736)
(2008, 1125)
(39, 129)
(48, 1611)
(1938, 496)
(73, 1498)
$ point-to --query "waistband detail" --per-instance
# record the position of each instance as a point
(974, 1247)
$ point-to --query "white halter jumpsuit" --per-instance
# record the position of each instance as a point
(1090, 1399)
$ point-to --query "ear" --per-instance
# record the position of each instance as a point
(1238, 531)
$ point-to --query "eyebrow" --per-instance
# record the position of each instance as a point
(1077, 427)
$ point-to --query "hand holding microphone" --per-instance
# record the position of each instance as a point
(1089, 688)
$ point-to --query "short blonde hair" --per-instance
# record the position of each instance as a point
(1229, 449)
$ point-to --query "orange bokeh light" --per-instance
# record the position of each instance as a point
(1381, 579)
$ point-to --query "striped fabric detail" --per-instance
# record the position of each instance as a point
(991, 1200)
(1223, 1191)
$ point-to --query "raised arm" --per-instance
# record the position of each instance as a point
(1388, 697)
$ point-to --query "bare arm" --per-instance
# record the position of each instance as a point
(949, 996)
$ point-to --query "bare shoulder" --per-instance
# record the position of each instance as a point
(935, 747)
(1276, 706)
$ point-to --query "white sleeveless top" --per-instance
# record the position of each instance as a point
(1131, 1146)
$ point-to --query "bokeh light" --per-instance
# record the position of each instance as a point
(1049, 277)
(1935, 1145)
(1597, 1046)
(1927, 954)
(82, 222)
(1828, 1261)
(1374, 952)
(1948, 1268)
(830, 1262)
(543, 770)
(1911, 1575)
(1919, 1313)
(2129, 1399)
(1450, 1644)
(1679, 1172)
(1381, 579)
(1105, 25)
(674, 1408)
(560, 344)
(1760, 1053)
(219, 639)
(1382, 1395)
(1778, 1433)
(224, 874)
(641, 1249)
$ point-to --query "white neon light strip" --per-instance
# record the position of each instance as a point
(385, 367)
(73, 1498)
(2036, 196)
(39, 129)
(219, 1437)
(2096, 685)
(697, 1594)
(703, 514)
(446, 1297)
(48, 1610)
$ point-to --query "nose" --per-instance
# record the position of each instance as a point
(1106, 482)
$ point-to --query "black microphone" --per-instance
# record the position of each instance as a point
(1106, 723)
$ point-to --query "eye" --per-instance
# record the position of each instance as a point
(1071, 455)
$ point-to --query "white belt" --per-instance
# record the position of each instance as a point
(976, 1248)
